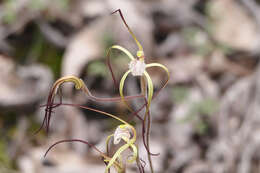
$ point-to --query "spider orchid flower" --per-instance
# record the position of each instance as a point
(125, 132)
(137, 67)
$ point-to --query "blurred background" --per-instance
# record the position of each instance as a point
(205, 121)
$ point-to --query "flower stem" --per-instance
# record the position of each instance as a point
(147, 121)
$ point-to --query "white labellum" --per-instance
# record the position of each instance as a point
(121, 131)
(137, 67)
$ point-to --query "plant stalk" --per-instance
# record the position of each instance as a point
(147, 120)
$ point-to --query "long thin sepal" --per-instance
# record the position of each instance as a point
(130, 31)
(121, 90)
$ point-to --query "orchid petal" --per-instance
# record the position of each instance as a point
(165, 69)
(123, 50)
(116, 155)
(159, 65)
(121, 88)
(107, 141)
(150, 89)
(134, 148)
(77, 81)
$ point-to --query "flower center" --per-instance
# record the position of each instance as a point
(137, 67)
(120, 132)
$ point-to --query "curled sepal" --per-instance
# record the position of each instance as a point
(77, 81)
(50, 102)
(80, 85)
